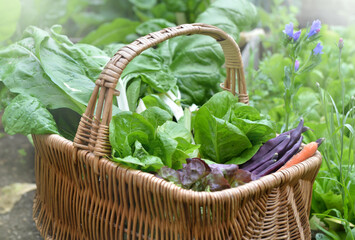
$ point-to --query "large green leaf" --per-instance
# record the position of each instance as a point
(115, 31)
(220, 140)
(152, 69)
(22, 73)
(144, 4)
(220, 105)
(229, 15)
(257, 128)
(65, 72)
(26, 115)
(153, 25)
(196, 62)
(10, 13)
(156, 116)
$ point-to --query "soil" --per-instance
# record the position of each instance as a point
(17, 166)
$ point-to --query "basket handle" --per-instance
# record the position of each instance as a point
(93, 130)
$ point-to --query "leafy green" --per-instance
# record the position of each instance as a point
(152, 69)
(256, 128)
(150, 134)
(59, 74)
(67, 121)
(153, 25)
(229, 15)
(229, 131)
(143, 4)
(194, 62)
(156, 116)
(220, 140)
(115, 31)
(26, 115)
(200, 176)
(126, 128)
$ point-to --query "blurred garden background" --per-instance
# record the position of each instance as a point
(86, 33)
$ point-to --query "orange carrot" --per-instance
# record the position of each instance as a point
(307, 152)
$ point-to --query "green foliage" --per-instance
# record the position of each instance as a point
(56, 73)
(150, 141)
(228, 131)
(115, 31)
(26, 115)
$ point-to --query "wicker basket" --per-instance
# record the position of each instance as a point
(83, 195)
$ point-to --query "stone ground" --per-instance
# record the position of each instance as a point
(17, 166)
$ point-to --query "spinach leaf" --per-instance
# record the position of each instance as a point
(229, 15)
(26, 115)
(115, 31)
(64, 71)
(153, 25)
(22, 73)
(152, 69)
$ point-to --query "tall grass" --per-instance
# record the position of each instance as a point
(339, 155)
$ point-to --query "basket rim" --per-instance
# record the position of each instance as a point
(252, 188)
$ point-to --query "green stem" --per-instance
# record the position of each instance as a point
(289, 100)
(306, 63)
(342, 127)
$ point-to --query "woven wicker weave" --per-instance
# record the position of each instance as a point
(82, 195)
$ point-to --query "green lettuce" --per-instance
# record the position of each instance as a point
(229, 131)
(150, 140)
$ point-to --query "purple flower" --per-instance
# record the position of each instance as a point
(297, 65)
(315, 28)
(289, 29)
(340, 43)
(296, 35)
(318, 49)
(289, 32)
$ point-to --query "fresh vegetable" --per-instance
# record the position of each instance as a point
(273, 165)
(277, 151)
(136, 138)
(279, 145)
(229, 131)
(307, 151)
(197, 175)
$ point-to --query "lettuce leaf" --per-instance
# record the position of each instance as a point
(150, 140)
(229, 131)
(197, 175)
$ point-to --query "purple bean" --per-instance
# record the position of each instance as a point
(273, 142)
(295, 135)
(265, 164)
(280, 149)
(268, 146)
(319, 141)
(288, 155)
